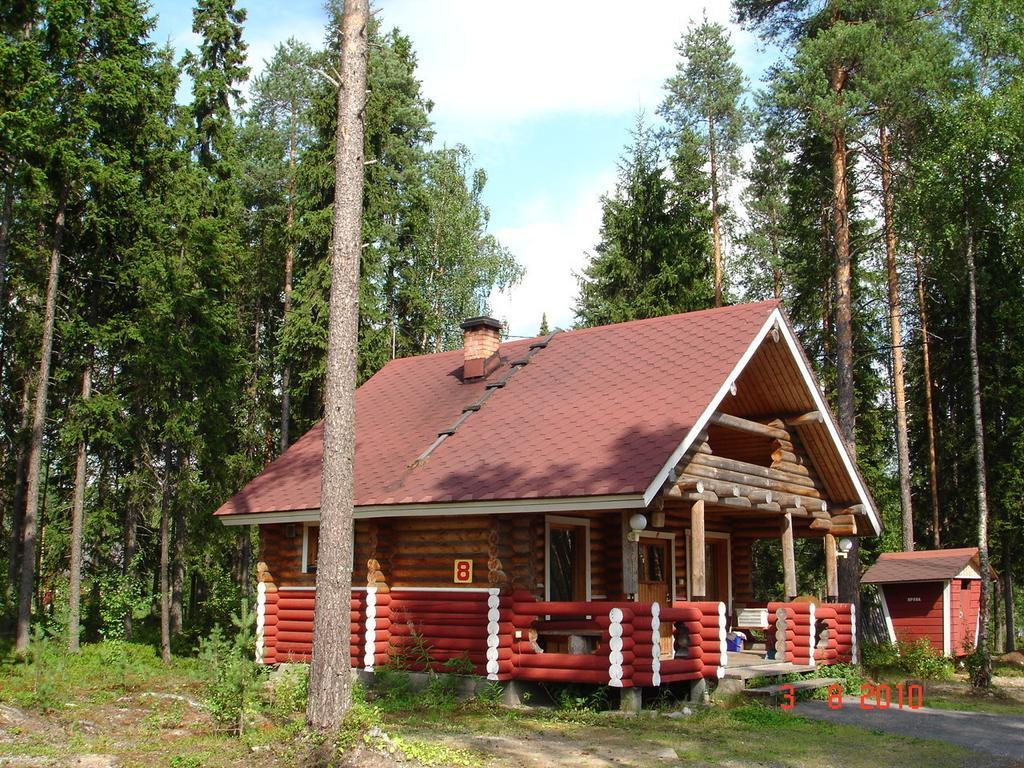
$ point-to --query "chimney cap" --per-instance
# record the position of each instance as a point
(480, 322)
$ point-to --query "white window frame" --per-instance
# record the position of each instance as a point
(671, 538)
(720, 535)
(579, 522)
(305, 544)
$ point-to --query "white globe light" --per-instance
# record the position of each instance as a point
(845, 544)
(637, 522)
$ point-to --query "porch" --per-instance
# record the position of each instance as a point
(502, 636)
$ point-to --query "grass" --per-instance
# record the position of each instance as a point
(120, 700)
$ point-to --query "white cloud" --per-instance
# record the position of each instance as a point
(552, 244)
(495, 62)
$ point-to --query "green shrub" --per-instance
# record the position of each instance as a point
(233, 672)
(916, 659)
(919, 660)
(290, 690)
(850, 677)
(879, 656)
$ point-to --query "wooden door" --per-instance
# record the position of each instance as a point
(654, 572)
(716, 565)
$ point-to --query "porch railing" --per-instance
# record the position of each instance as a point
(624, 644)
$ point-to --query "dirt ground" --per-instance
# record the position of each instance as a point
(165, 722)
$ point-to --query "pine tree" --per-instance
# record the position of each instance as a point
(544, 330)
(704, 100)
(330, 683)
(277, 132)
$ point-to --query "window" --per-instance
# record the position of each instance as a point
(310, 546)
(651, 561)
(568, 559)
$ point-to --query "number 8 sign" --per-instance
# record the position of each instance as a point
(463, 571)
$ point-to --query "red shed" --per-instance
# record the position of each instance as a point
(930, 594)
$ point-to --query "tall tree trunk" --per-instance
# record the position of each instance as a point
(165, 556)
(177, 568)
(926, 362)
(77, 513)
(35, 451)
(180, 531)
(330, 682)
(18, 499)
(716, 227)
(895, 321)
(6, 213)
(131, 529)
(983, 675)
(289, 265)
(849, 568)
(1008, 607)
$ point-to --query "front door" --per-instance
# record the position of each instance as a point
(654, 567)
(716, 570)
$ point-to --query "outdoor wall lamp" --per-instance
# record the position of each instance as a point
(845, 545)
(636, 524)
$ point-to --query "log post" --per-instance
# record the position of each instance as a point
(831, 569)
(788, 557)
(630, 554)
(698, 586)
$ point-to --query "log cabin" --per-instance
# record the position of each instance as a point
(576, 508)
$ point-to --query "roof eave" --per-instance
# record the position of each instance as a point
(488, 507)
(776, 318)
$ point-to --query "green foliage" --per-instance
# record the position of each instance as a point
(124, 594)
(289, 692)
(233, 673)
(916, 659)
(654, 252)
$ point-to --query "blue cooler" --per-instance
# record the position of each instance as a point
(734, 642)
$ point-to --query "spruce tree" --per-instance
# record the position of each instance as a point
(652, 258)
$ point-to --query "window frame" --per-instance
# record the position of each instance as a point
(305, 546)
(561, 522)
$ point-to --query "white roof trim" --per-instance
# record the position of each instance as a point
(776, 318)
(968, 572)
(659, 479)
(498, 507)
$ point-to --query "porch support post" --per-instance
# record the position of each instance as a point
(630, 553)
(698, 587)
(831, 570)
(788, 556)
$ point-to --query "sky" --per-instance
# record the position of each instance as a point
(543, 93)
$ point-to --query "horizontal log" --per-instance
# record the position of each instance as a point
(746, 425)
(805, 419)
(776, 483)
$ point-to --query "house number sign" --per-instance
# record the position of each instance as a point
(463, 572)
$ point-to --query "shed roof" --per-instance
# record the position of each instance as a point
(922, 565)
(599, 412)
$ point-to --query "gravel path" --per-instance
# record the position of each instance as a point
(1000, 735)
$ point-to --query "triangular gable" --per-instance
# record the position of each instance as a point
(778, 326)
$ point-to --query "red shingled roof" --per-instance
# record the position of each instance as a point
(922, 565)
(598, 412)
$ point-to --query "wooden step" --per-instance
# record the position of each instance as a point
(797, 685)
(766, 670)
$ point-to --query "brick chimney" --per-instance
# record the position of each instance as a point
(481, 337)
